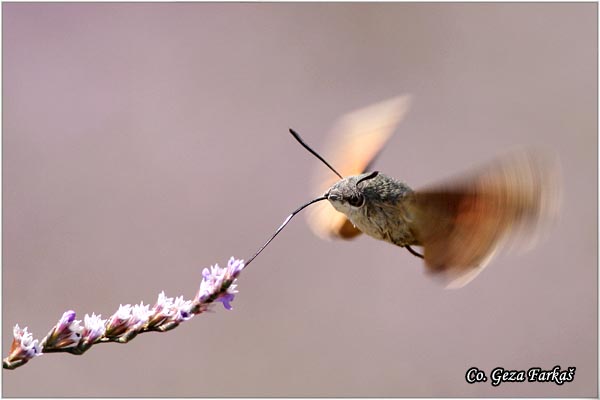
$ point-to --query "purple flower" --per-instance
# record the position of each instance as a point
(128, 320)
(182, 309)
(226, 299)
(140, 314)
(117, 323)
(68, 335)
(65, 334)
(162, 311)
(93, 328)
(218, 284)
(235, 266)
(168, 313)
(23, 348)
(164, 305)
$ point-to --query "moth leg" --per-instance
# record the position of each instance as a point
(414, 253)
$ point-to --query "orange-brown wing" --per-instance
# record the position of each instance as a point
(462, 223)
(355, 141)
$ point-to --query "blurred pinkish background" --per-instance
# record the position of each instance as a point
(143, 142)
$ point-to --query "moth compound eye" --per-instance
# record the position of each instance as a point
(356, 200)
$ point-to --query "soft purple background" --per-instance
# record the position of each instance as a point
(143, 142)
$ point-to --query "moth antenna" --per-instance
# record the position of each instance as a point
(314, 153)
(366, 178)
(283, 225)
(414, 253)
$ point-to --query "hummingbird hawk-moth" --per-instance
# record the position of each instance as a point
(459, 223)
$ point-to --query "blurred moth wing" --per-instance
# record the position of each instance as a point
(354, 143)
(462, 222)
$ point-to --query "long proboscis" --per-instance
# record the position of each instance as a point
(288, 219)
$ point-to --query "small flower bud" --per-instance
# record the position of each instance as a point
(23, 348)
(218, 284)
(93, 329)
(117, 323)
(65, 334)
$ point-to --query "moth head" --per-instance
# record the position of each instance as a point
(347, 195)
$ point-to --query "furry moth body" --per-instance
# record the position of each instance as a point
(460, 223)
